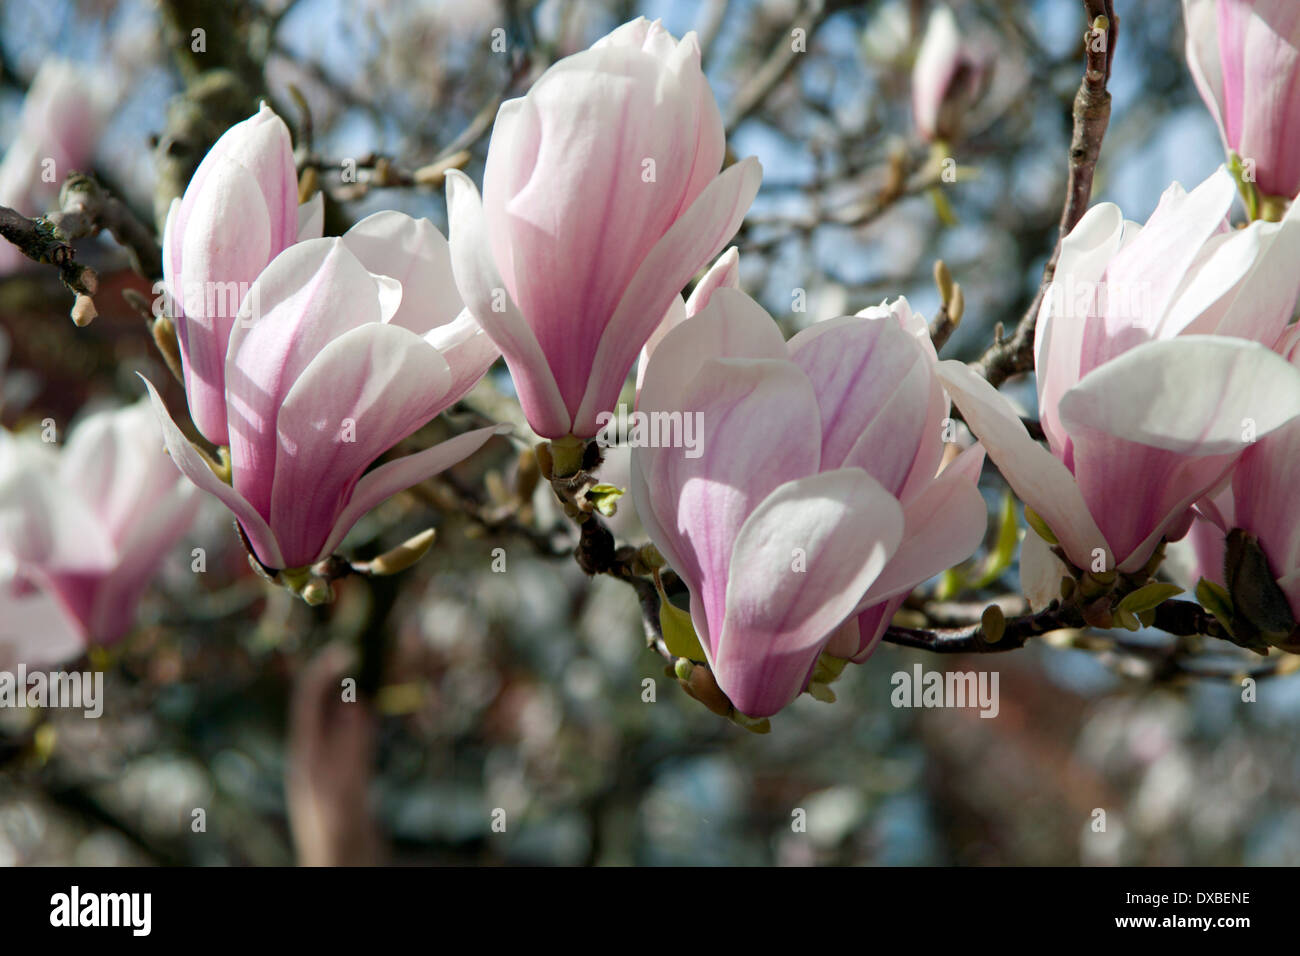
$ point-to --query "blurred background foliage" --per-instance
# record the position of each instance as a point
(523, 689)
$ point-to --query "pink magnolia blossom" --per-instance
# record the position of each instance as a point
(1245, 58)
(1263, 500)
(359, 342)
(83, 531)
(945, 515)
(601, 198)
(238, 213)
(1151, 376)
(813, 503)
(949, 77)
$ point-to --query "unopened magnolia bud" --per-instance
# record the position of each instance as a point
(163, 331)
(527, 473)
(402, 556)
(435, 173)
(307, 184)
(943, 279)
(651, 557)
(307, 585)
(957, 306)
(83, 311)
(993, 624)
(317, 591)
(701, 685)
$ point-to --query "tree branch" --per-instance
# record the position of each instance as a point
(780, 61)
(1008, 357)
(37, 240)
(86, 208)
(971, 639)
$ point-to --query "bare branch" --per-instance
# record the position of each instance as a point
(1013, 356)
(86, 209)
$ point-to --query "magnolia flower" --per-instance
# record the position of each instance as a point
(950, 76)
(945, 514)
(1263, 501)
(238, 213)
(814, 499)
(601, 198)
(1149, 387)
(62, 117)
(1245, 58)
(359, 342)
(82, 532)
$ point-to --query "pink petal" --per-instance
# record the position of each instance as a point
(1037, 478)
(362, 394)
(585, 220)
(873, 383)
(945, 524)
(481, 286)
(1040, 571)
(194, 468)
(732, 326)
(845, 527)
(1192, 395)
(225, 245)
(415, 253)
(311, 218)
(391, 477)
(1266, 496)
(468, 350)
(695, 238)
(723, 274)
(1067, 309)
(1246, 284)
(694, 507)
(36, 629)
(310, 295)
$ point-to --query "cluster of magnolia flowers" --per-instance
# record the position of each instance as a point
(829, 483)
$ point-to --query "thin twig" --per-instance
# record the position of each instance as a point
(86, 208)
(780, 61)
(1015, 355)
